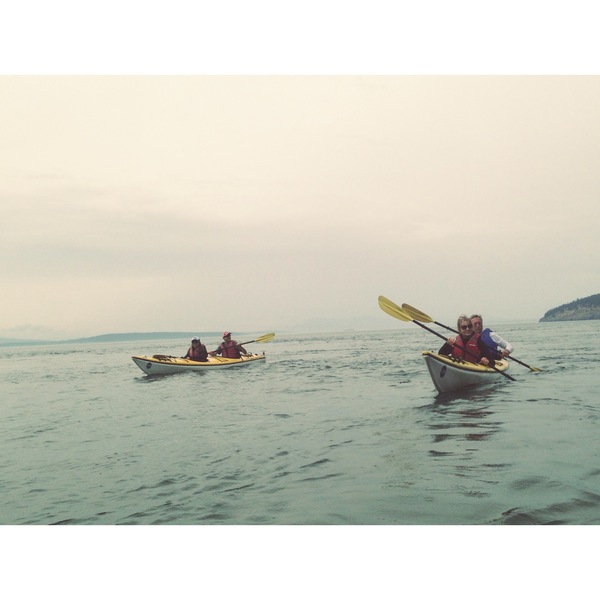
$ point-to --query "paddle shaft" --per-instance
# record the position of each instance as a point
(466, 351)
(212, 352)
(263, 338)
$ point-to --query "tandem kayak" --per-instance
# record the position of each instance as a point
(160, 364)
(451, 374)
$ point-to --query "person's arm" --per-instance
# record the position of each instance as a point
(488, 356)
(446, 349)
(499, 341)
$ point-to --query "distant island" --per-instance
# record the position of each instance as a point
(584, 309)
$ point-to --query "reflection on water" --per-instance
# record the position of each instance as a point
(463, 415)
(465, 423)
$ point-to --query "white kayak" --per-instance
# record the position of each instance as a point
(160, 364)
(451, 374)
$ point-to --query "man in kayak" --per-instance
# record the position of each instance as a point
(229, 348)
(197, 351)
(499, 346)
(467, 345)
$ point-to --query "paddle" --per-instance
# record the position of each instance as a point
(263, 338)
(395, 311)
(421, 316)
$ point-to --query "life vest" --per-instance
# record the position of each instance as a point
(472, 354)
(486, 338)
(229, 349)
(198, 354)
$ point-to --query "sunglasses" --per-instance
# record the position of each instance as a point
(466, 326)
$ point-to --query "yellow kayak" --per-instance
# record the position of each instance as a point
(161, 364)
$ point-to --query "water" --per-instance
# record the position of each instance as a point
(341, 428)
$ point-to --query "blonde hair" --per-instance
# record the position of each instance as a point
(462, 319)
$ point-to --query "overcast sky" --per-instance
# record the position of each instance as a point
(269, 203)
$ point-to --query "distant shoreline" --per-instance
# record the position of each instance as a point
(113, 337)
(186, 336)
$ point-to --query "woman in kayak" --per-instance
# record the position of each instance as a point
(468, 345)
(197, 351)
(229, 348)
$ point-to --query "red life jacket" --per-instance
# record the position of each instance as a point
(229, 349)
(472, 354)
(198, 354)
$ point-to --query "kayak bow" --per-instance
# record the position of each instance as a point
(451, 374)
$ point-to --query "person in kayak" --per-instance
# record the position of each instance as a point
(468, 345)
(229, 348)
(197, 351)
(499, 346)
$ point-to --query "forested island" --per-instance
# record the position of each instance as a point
(582, 309)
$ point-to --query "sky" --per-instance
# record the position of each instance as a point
(258, 202)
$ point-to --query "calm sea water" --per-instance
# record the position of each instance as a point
(341, 428)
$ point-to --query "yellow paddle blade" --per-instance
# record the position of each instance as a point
(392, 309)
(416, 314)
(265, 338)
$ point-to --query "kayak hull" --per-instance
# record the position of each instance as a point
(160, 364)
(450, 375)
